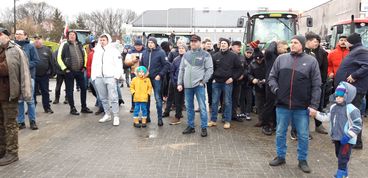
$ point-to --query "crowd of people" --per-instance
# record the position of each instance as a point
(283, 84)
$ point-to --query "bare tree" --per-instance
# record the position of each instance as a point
(109, 20)
(37, 11)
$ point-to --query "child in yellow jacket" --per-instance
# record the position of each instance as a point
(140, 88)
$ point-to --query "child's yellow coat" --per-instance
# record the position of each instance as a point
(141, 89)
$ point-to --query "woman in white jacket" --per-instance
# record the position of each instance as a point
(106, 70)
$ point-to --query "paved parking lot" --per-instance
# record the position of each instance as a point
(79, 146)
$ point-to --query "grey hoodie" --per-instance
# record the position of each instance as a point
(195, 69)
(344, 118)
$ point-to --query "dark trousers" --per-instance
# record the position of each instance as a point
(8, 128)
(132, 75)
(246, 98)
(43, 83)
(269, 109)
(170, 99)
(209, 92)
(260, 101)
(343, 153)
(59, 82)
(235, 97)
(69, 82)
(179, 102)
(357, 102)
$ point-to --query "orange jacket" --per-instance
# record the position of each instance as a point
(335, 58)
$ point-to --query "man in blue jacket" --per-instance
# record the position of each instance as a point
(354, 69)
(21, 38)
(154, 59)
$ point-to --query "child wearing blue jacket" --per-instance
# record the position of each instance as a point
(345, 124)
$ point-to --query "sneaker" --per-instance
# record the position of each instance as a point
(49, 110)
(174, 121)
(189, 130)
(247, 117)
(267, 130)
(204, 132)
(320, 129)
(33, 125)
(105, 118)
(86, 110)
(21, 125)
(116, 121)
(121, 101)
(293, 135)
(238, 119)
(303, 165)
(211, 124)
(277, 161)
(227, 125)
(74, 111)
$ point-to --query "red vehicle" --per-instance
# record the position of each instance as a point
(347, 27)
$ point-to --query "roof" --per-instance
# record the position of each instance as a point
(188, 17)
(359, 20)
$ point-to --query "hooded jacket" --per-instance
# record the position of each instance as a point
(335, 58)
(344, 118)
(19, 74)
(226, 64)
(107, 61)
(196, 68)
(141, 89)
(356, 65)
(155, 62)
(296, 81)
(32, 55)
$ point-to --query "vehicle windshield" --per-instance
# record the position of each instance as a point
(359, 28)
(363, 31)
(271, 29)
(82, 36)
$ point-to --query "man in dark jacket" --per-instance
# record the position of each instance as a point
(154, 59)
(60, 78)
(227, 69)
(269, 111)
(236, 48)
(72, 59)
(296, 81)
(354, 69)
(21, 38)
(44, 70)
(312, 47)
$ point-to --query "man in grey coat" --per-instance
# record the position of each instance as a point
(196, 68)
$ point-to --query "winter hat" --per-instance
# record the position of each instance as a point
(249, 49)
(236, 43)
(5, 31)
(354, 38)
(301, 39)
(165, 45)
(138, 42)
(142, 68)
(153, 39)
(226, 40)
(340, 90)
(254, 44)
(258, 55)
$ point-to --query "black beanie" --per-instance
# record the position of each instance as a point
(354, 38)
(301, 39)
(153, 39)
(226, 40)
(238, 43)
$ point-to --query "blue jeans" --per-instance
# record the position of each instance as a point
(156, 84)
(138, 107)
(200, 94)
(31, 107)
(217, 88)
(300, 120)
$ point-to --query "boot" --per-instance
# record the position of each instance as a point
(136, 123)
(8, 159)
(33, 125)
(66, 101)
(56, 101)
(144, 122)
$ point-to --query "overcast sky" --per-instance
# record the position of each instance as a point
(73, 7)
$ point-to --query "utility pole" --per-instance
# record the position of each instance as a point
(15, 18)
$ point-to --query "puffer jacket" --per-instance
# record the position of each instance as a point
(141, 89)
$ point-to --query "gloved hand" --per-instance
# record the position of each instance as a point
(345, 139)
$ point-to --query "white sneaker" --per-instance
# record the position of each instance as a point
(116, 121)
(105, 118)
